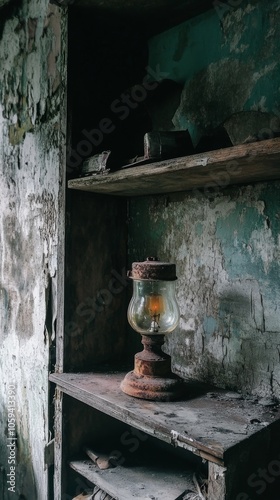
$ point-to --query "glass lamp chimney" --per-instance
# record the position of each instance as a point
(153, 308)
(153, 312)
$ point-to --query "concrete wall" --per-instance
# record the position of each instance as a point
(31, 139)
(225, 241)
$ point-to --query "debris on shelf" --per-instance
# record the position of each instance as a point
(95, 164)
(84, 496)
(166, 145)
(102, 461)
(240, 128)
(163, 145)
(201, 487)
(95, 494)
(251, 126)
(99, 494)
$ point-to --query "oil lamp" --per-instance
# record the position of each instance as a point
(153, 312)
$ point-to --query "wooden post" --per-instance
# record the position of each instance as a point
(216, 482)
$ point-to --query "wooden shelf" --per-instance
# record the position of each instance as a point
(209, 424)
(218, 169)
(149, 477)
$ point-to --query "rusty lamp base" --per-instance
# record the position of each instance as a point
(152, 377)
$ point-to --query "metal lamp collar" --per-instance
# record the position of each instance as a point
(153, 270)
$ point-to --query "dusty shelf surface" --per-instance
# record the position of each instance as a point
(209, 423)
(158, 477)
(259, 161)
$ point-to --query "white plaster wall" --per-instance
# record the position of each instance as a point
(31, 141)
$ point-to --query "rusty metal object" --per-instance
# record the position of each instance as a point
(152, 377)
(153, 269)
(153, 388)
(152, 361)
(95, 164)
(165, 145)
(101, 460)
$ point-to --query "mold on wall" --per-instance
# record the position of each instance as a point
(225, 241)
(32, 88)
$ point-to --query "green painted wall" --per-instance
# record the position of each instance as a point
(226, 243)
(228, 61)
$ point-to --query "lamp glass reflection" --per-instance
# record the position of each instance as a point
(153, 309)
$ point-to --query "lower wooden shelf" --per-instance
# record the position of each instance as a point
(209, 423)
(163, 479)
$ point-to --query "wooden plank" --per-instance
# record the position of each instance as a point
(216, 482)
(210, 171)
(86, 496)
(59, 476)
(209, 424)
(61, 205)
(158, 480)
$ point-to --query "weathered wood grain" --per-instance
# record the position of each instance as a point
(210, 425)
(148, 480)
(59, 356)
(59, 465)
(216, 482)
(213, 170)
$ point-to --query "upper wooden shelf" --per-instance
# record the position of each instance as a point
(210, 424)
(259, 161)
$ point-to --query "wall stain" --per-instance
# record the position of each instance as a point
(31, 94)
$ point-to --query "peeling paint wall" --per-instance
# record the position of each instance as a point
(31, 140)
(225, 241)
(227, 61)
(227, 251)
